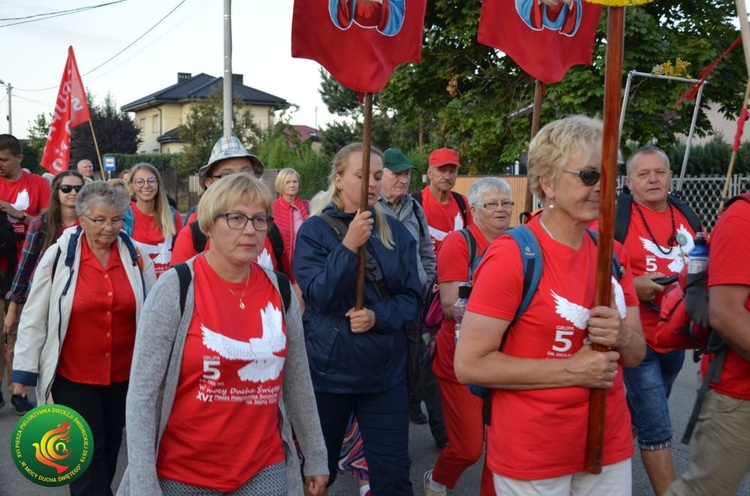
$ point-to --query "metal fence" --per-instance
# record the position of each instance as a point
(703, 193)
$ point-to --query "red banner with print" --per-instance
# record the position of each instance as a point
(359, 42)
(545, 40)
(71, 110)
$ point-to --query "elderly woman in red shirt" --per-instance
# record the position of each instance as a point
(77, 331)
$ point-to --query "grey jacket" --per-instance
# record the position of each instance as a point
(412, 217)
(157, 359)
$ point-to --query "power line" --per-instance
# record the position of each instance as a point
(118, 53)
(51, 15)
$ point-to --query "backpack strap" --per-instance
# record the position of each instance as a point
(461, 205)
(743, 196)
(285, 289)
(128, 220)
(617, 269)
(277, 243)
(184, 276)
(199, 237)
(623, 208)
(417, 195)
(712, 377)
(695, 222)
(531, 256)
(471, 242)
(419, 214)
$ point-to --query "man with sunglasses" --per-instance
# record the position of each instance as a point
(22, 196)
(658, 237)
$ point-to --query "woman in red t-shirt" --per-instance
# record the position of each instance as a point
(541, 370)
(218, 384)
(150, 220)
(491, 201)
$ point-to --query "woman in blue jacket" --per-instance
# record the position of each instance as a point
(358, 357)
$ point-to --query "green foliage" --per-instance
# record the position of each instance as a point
(337, 135)
(467, 96)
(163, 162)
(710, 158)
(204, 126)
(115, 132)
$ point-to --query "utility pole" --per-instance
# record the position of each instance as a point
(227, 68)
(10, 108)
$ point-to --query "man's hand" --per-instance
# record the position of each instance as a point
(8, 209)
(315, 485)
(361, 320)
(645, 286)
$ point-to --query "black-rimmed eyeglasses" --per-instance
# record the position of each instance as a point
(589, 177)
(237, 220)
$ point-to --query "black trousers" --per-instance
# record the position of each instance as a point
(103, 407)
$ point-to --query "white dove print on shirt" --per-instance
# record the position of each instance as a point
(264, 365)
(677, 255)
(22, 201)
(162, 251)
(264, 260)
(579, 315)
(458, 223)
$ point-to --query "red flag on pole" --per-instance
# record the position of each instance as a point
(359, 42)
(544, 40)
(71, 110)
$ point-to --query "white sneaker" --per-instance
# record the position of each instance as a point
(428, 491)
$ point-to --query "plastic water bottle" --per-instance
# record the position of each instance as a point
(459, 308)
(698, 256)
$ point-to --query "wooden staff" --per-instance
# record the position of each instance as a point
(735, 147)
(96, 146)
(363, 206)
(611, 138)
(536, 118)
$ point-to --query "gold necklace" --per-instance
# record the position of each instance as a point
(240, 297)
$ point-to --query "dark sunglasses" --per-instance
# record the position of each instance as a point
(67, 188)
(589, 177)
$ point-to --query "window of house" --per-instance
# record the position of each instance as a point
(142, 124)
(155, 123)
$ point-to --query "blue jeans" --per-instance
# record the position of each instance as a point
(648, 387)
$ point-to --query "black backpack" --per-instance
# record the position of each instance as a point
(8, 239)
(623, 209)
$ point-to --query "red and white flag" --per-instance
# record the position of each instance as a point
(71, 110)
(359, 42)
(545, 40)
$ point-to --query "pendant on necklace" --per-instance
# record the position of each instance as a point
(242, 305)
(682, 239)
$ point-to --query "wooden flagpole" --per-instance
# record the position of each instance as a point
(605, 245)
(536, 119)
(366, 147)
(96, 145)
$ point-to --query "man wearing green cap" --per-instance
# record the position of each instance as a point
(395, 198)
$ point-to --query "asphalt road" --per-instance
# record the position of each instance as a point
(421, 447)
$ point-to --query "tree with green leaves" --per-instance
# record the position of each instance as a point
(204, 126)
(115, 132)
(470, 96)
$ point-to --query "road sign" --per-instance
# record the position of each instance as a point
(109, 164)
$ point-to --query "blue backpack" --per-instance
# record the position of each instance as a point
(531, 255)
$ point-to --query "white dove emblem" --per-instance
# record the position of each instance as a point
(162, 252)
(572, 312)
(264, 365)
(677, 255)
(578, 315)
(458, 222)
(22, 201)
(264, 259)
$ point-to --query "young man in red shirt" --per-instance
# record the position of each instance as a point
(444, 210)
(22, 197)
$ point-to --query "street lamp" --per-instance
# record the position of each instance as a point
(10, 108)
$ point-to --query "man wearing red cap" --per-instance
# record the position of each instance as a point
(444, 209)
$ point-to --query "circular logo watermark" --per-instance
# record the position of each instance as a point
(52, 445)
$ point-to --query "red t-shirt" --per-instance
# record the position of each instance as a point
(98, 346)
(184, 250)
(729, 264)
(443, 218)
(453, 265)
(146, 231)
(646, 257)
(224, 425)
(541, 433)
(29, 194)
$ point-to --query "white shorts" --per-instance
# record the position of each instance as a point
(615, 480)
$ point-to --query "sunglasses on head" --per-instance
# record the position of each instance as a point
(67, 188)
(589, 177)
